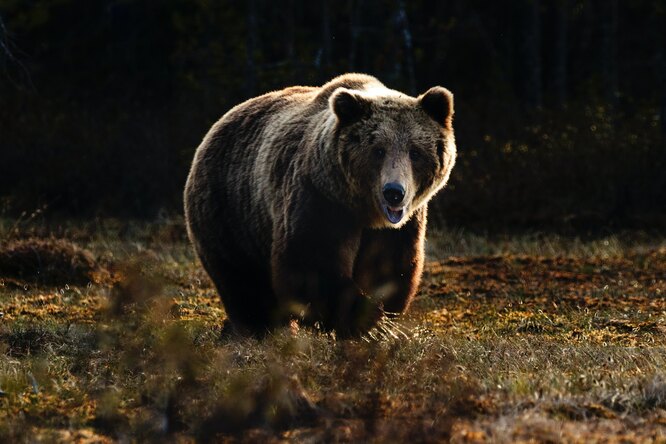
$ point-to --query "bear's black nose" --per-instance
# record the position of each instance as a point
(393, 193)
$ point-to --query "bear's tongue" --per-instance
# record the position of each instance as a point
(394, 215)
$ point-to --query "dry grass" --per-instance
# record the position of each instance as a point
(518, 339)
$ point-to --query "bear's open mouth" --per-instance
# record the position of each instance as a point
(394, 215)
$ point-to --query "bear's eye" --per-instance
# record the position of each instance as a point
(414, 154)
(379, 153)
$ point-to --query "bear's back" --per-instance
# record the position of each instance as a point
(350, 81)
(243, 160)
(302, 100)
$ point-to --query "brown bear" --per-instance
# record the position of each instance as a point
(311, 202)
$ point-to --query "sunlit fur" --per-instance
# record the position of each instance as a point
(284, 205)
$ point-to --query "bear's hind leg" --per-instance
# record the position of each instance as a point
(389, 263)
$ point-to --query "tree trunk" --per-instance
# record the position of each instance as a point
(660, 67)
(4, 48)
(662, 104)
(354, 29)
(251, 47)
(403, 25)
(609, 51)
(11, 66)
(532, 52)
(561, 52)
(324, 59)
(6, 55)
(290, 36)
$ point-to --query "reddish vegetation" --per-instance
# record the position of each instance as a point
(541, 294)
(48, 261)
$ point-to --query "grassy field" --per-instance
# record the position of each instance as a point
(532, 338)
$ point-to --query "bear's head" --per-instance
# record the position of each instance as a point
(394, 151)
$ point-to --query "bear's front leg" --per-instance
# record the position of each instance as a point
(390, 262)
(314, 246)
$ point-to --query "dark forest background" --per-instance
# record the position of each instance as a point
(560, 105)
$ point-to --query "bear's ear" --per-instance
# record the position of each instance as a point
(438, 103)
(348, 106)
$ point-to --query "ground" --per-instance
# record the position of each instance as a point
(526, 338)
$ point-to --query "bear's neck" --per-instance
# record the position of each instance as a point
(324, 166)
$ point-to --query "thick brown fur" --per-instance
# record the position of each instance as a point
(284, 202)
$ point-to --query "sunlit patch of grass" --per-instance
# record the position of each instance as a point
(509, 340)
(458, 242)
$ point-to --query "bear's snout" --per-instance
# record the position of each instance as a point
(394, 193)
